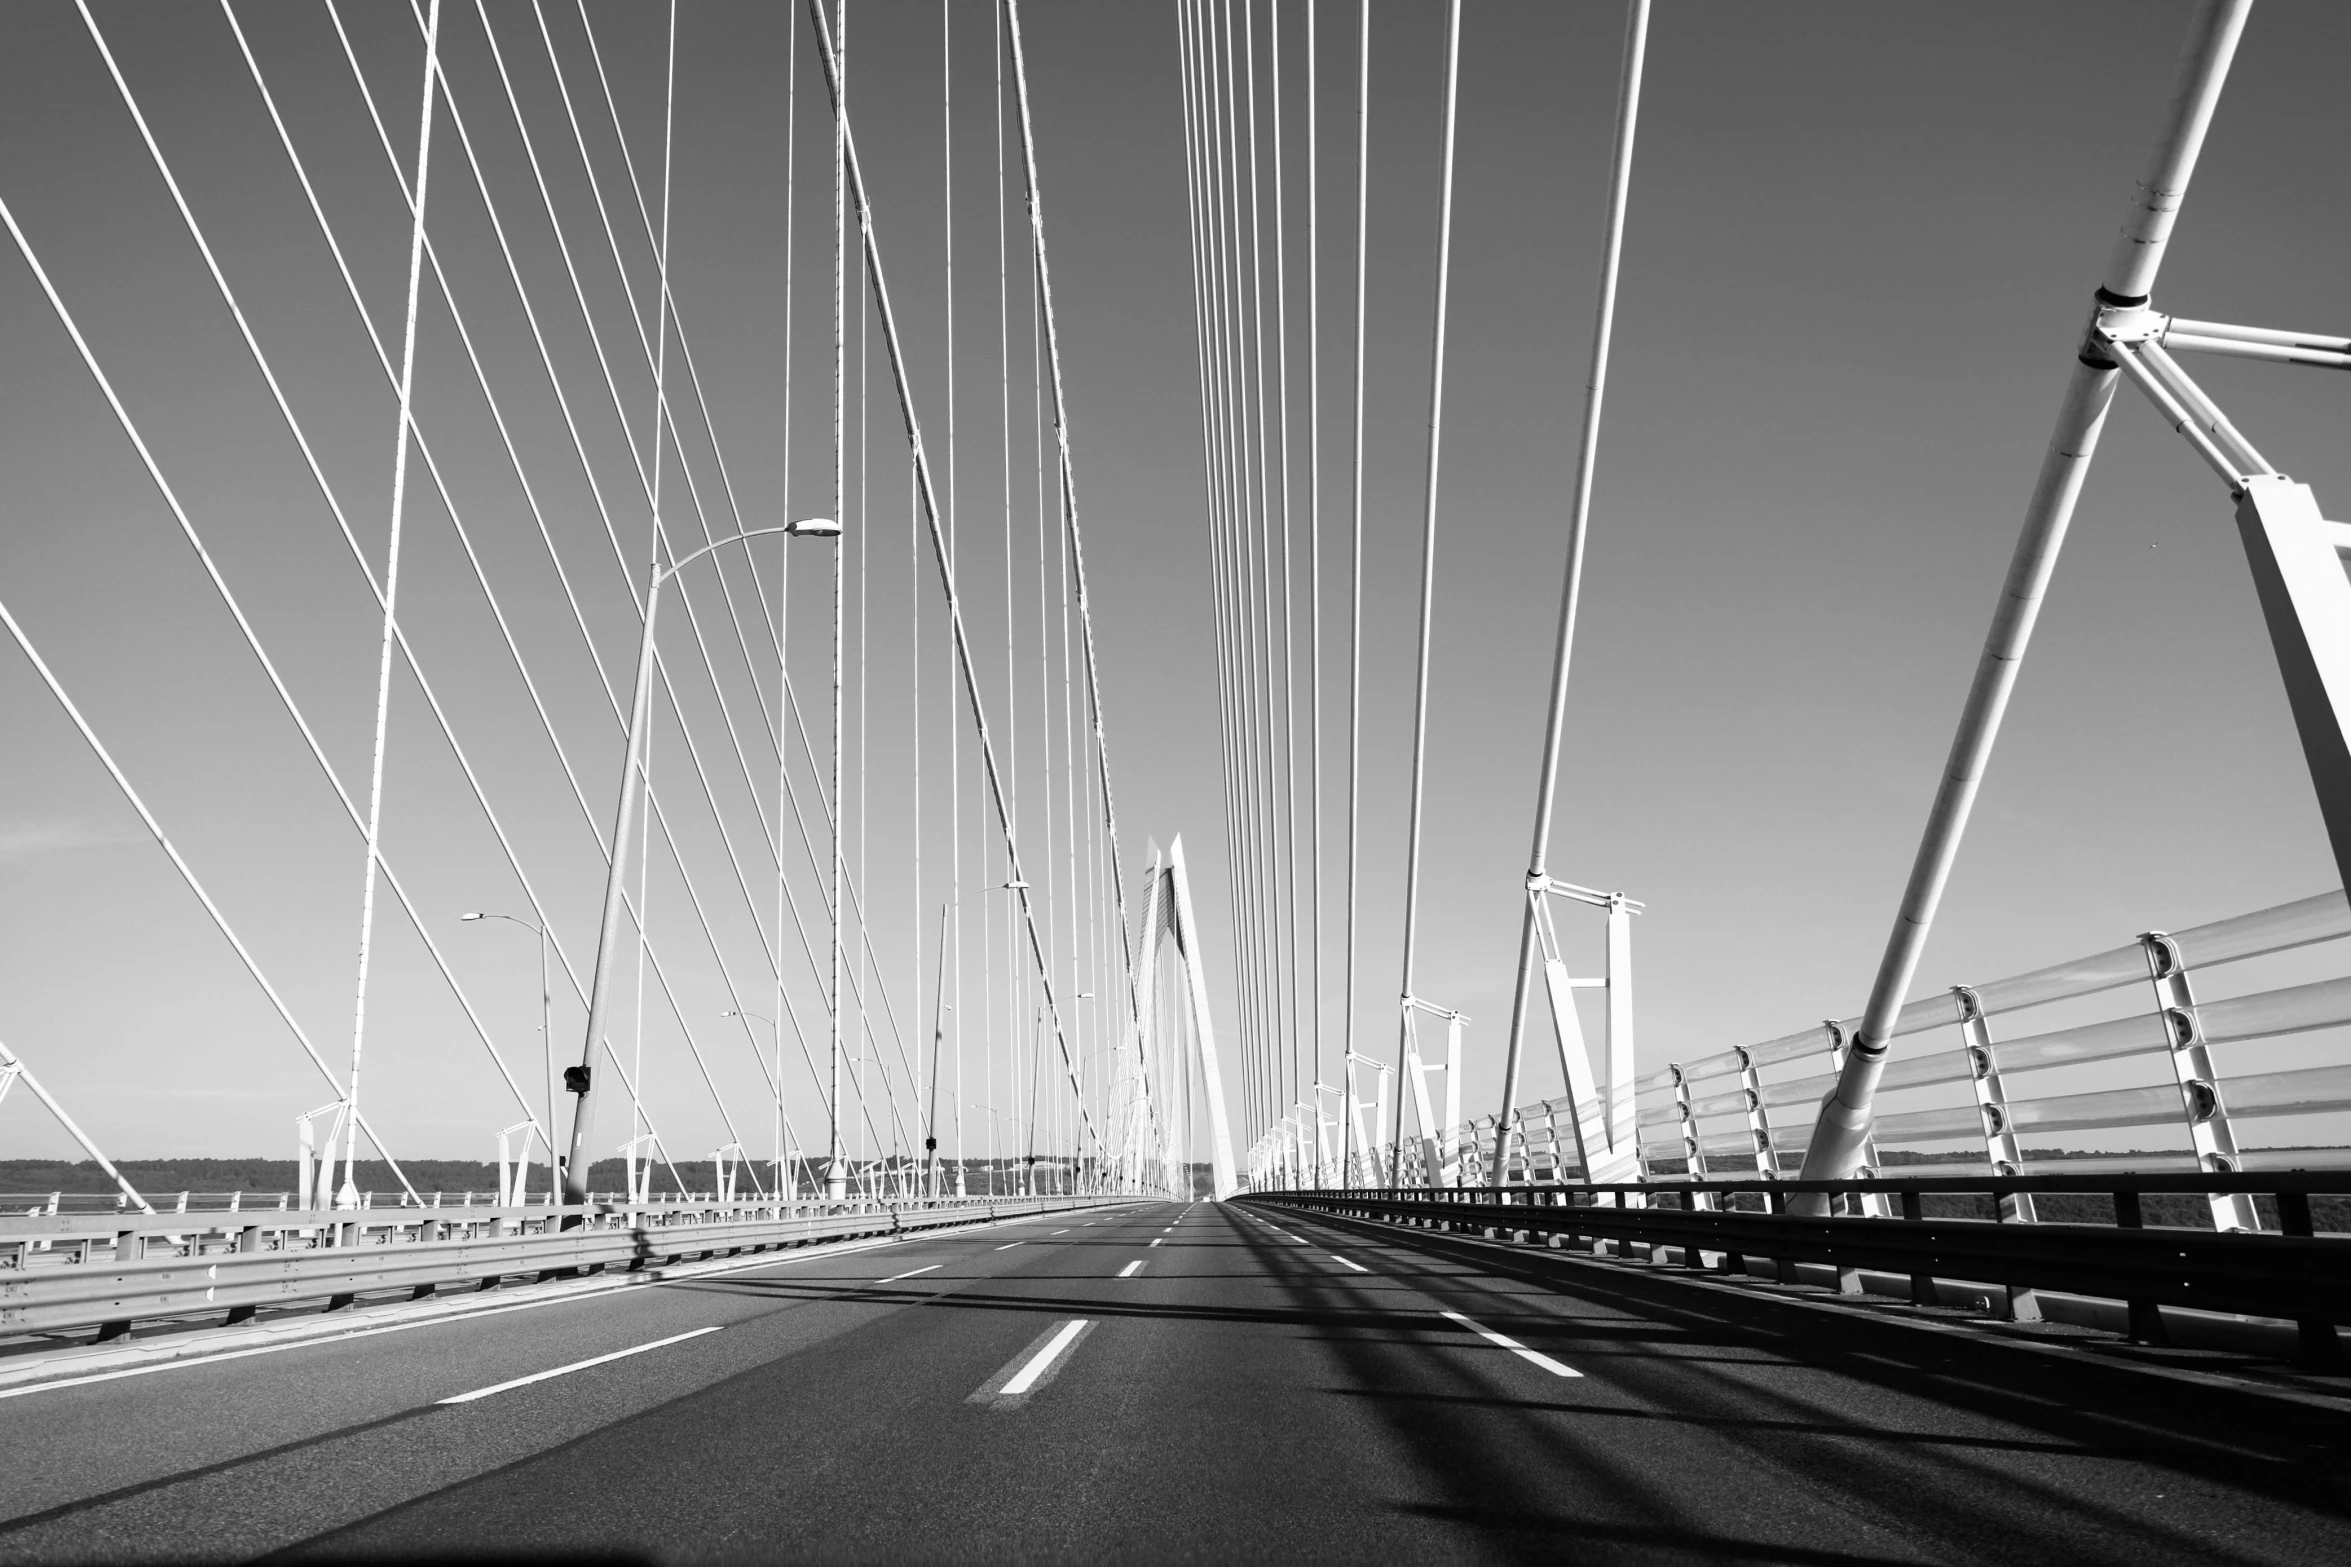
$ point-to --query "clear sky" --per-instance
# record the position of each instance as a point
(1861, 245)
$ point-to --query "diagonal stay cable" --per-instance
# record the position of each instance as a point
(900, 374)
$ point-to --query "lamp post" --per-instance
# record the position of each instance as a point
(938, 1038)
(546, 1038)
(776, 1031)
(579, 1078)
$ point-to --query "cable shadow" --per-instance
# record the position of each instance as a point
(1758, 1426)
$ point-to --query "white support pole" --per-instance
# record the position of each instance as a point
(1204, 1031)
(1845, 1114)
(2297, 561)
(1622, 1132)
(12, 1067)
(1628, 114)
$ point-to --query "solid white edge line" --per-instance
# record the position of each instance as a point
(577, 1365)
(1130, 1270)
(1344, 1263)
(1026, 1377)
(910, 1273)
(1513, 1345)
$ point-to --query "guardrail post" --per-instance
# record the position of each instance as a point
(1922, 1285)
(1777, 1202)
(2000, 1148)
(2145, 1316)
(1767, 1158)
(2321, 1349)
(1693, 1155)
(2191, 1064)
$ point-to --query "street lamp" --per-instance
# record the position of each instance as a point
(931, 1136)
(578, 1078)
(776, 1030)
(546, 1038)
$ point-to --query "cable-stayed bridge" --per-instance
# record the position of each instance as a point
(569, 649)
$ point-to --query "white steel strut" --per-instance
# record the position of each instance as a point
(2277, 511)
(1604, 1120)
(1167, 912)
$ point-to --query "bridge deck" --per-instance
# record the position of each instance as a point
(1261, 1384)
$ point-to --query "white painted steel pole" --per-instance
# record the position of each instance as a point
(2130, 277)
(1428, 553)
(837, 1173)
(1620, 174)
(575, 1170)
(14, 1064)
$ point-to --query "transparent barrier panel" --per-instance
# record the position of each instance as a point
(2307, 1091)
(2151, 1106)
(2323, 918)
(1734, 1103)
(1811, 1041)
(1925, 1013)
(1919, 1126)
(2290, 1011)
(2116, 1037)
(1728, 1144)
(2082, 977)
(1944, 1066)
(1717, 1065)
(1800, 1090)
(2294, 1158)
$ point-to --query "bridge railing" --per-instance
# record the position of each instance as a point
(1948, 1240)
(2180, 1039)
(67, 1270)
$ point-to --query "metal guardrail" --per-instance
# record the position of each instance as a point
(1966, 1083)
(67, 1271)
(2293, 1275)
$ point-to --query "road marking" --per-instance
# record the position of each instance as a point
(1130, 1270)
(1156, 1239)
(577, 1365)
(1033, 1367)
(1008, 1246)
(1065, 1232)
(909, 1273)
(1026, 1377)
(1513, 1345)
(1344, 1263)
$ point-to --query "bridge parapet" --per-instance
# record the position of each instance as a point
(67, 1271)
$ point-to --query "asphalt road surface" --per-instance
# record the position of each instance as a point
(1168, 1382)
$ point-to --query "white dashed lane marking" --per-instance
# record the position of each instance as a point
(577, 1365)
(1514, 1346)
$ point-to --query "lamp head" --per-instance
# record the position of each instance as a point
(472, 916)
(813, 528)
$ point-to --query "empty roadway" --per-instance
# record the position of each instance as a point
(1259, 1384)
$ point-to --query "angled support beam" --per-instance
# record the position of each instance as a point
(1845, 1115)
